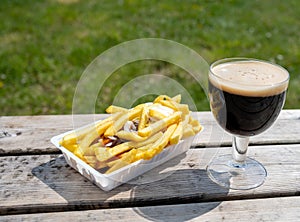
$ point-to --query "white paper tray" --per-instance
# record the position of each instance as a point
(108, 182)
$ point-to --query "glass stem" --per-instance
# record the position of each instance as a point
(239, 149)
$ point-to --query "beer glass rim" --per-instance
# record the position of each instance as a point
(232, 59)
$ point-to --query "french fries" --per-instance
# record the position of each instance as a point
(143, 118)
(115, 109)
(129, 135)
(159, 144)
(160, 125)
(177, 135)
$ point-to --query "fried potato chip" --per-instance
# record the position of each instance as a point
(160, 125)
(93, 162)
(195, 125)
(115, 109)
(142, 152)
(156, 114)
(188, 131)
(149, 140)
(119, 164)
(113, 162)
(183, 108)
(176, 106)
(169, 103)
(92, 136)
(79, 153)
(107, 153)
(71, 147)
(177, 134)
(90, 150)
(128, 158)
(69, 139)
(185, 120)
(77, 135)
(176, 98)
(121, 148)
(158, 111)
(143, 121)
(161, 97)
(160, 144)
(102, 154)
(132, 136)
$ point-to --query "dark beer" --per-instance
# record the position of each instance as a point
(247, 97)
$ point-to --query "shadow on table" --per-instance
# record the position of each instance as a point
(180, 196)
(78, 191)
(169, 184)
(73, 187)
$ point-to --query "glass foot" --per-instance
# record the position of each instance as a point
(227, 173)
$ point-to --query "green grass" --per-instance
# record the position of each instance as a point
(46, 45)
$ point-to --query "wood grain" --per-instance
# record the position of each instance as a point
(38, 130)
(269, 209)
(45, 183)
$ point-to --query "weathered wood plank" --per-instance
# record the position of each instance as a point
(286, 130)
(45, 183)
(37, 131)
(269, 209)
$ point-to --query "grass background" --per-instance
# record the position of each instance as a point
(46, 45)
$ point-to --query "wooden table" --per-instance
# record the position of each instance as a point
(36, 184)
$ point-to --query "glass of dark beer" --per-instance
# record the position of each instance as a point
(246, 97)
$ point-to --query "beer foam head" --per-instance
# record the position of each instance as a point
(249, 77)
